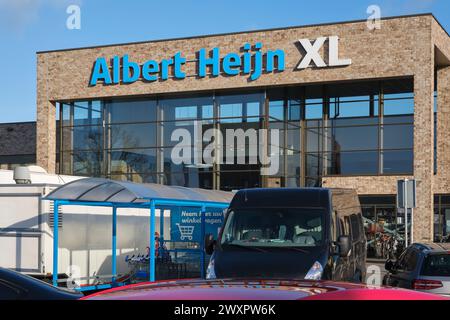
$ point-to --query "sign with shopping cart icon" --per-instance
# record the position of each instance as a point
(186, 223)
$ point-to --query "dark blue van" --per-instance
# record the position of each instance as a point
(301, 233)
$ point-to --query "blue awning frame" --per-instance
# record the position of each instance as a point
(152, 205)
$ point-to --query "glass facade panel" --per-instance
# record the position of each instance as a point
(349, 108)
(133, 161)
(334, 129)
(398, 104)
(87, 138)
(276, 110)
(353, 163)
(398, 162)
(87, 113)
(398, 136)
(87, 163)
(187, 108)
(133, 135)
(353, 138)
(313, 111)
(138, 178)
(129, 111)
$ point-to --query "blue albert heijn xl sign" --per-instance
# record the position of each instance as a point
(252, 61)
(186, 223)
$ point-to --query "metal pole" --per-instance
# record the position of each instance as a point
(161, 230)
(412, 225)
(405, 201)
(55, 243)
(202, 243)
(114, 244)
(152, 240)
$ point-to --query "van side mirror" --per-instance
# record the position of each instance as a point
(389, 265)
(209, 244)
(344, 246)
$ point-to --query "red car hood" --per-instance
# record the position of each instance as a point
(230, 289)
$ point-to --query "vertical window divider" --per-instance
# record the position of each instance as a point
(159, 142)
(381, 129)
(325, 129)
(216, 164)
(265, 127)
(285, 136)
(303, 137)
(72, 107)
(106, 121)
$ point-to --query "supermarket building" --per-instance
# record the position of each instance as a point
(354, 108)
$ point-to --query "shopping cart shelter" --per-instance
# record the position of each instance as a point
(162, 237)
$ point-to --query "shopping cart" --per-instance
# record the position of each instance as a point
(185, 231)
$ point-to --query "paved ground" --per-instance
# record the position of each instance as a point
(375, 272)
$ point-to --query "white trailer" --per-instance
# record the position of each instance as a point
(26, 231)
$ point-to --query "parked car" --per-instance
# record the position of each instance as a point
(422, 267)
(17, 286)
(298, 233)
(229, 289)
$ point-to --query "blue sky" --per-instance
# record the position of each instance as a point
(27, 26)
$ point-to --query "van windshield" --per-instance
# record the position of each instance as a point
(273, 227)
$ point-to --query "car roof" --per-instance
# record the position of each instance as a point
(223, 289)
(430, 248)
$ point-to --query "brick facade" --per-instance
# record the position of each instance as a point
(403, 47)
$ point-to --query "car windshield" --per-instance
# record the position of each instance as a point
(273, 227)
(437, 265)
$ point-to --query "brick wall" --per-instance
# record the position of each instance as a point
(403, 47)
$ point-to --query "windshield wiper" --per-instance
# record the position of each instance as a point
(246, 247)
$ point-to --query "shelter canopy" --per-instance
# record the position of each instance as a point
(111, 191)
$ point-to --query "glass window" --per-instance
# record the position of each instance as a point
(187, 108)
(400, 162)
(133, 135)
(314, 140)
(436, 265)
(182, 113)
(126, 111)
(133, 161)
(134, 177)
(349, 107)
(354, 138)
(411, 261)
(397, 104)
(235, 180)
(294, 111)
(273, 228)
(398, 136)
(353, 163)
(314, 164)
(65, 109)
(398, 119)
(85, 138)
(276, 110)
(88, 163)
(171, 138)
(293, 139)
(190, 179)
(313, 111)
(87, 113)
(231, 110)
(253, 109)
